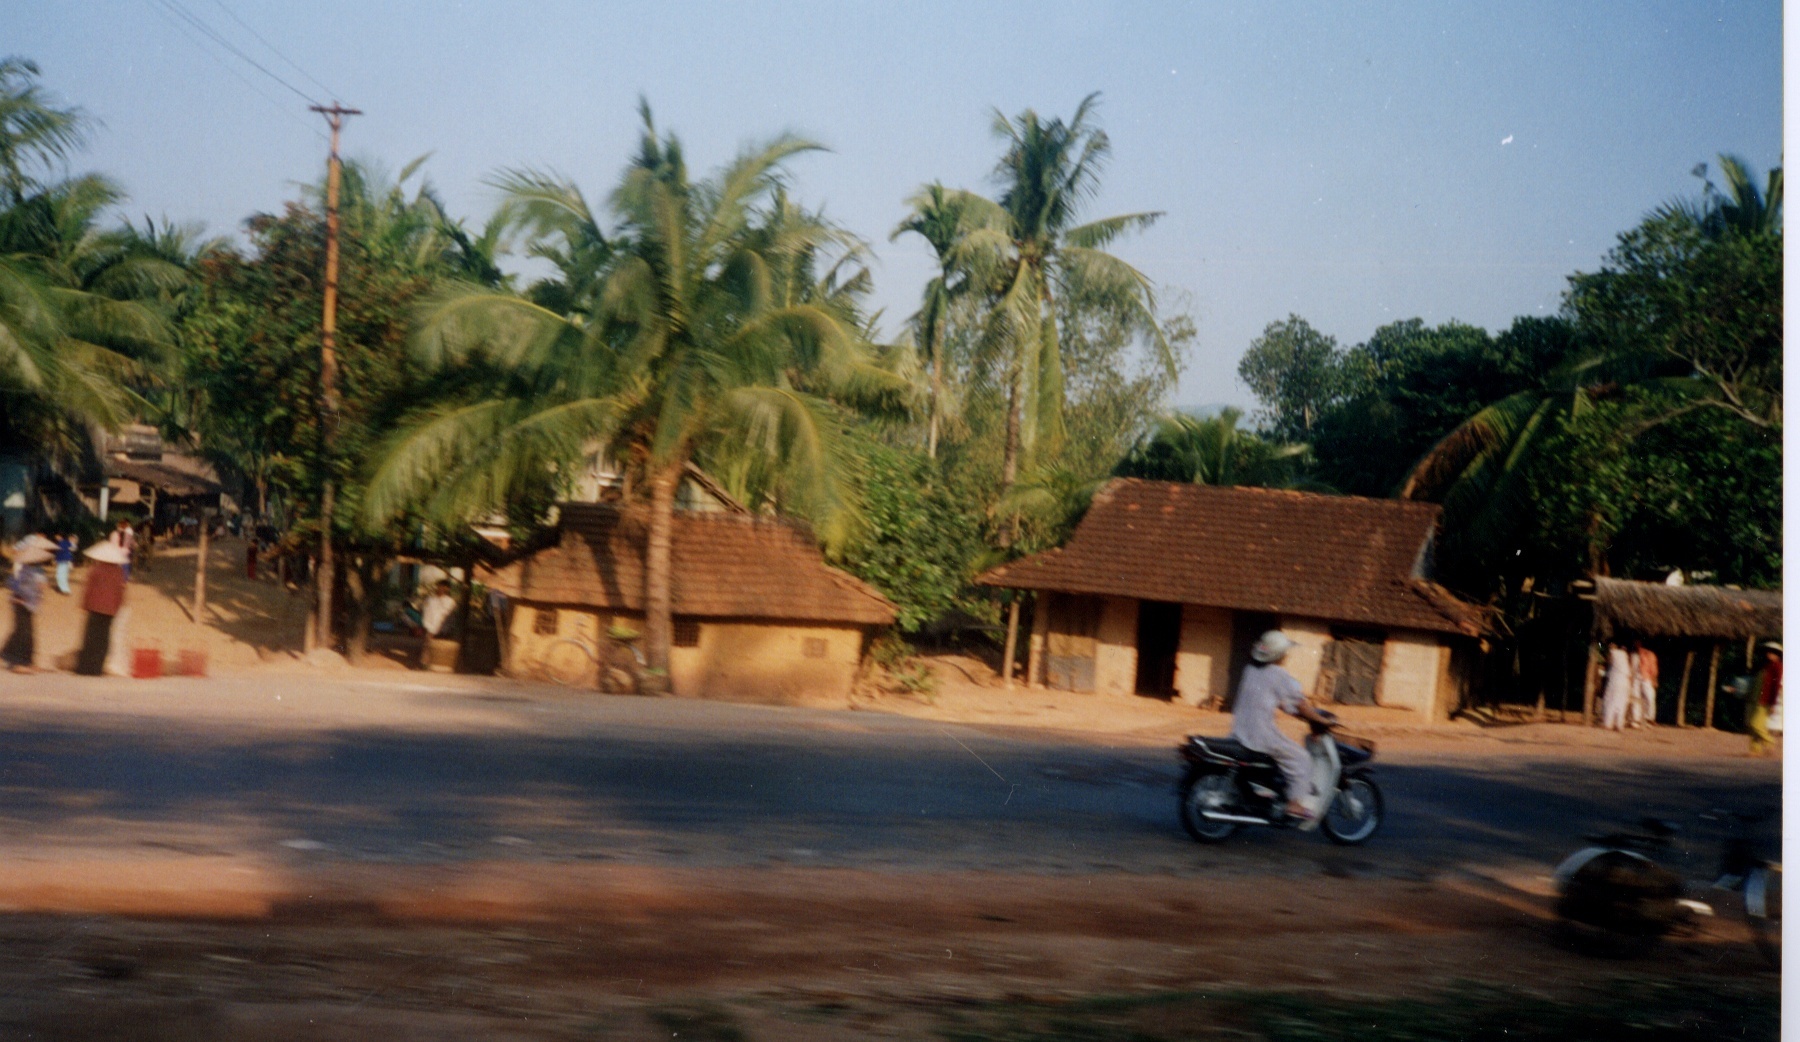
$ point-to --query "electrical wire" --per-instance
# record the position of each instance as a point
(194, 20)
(200, 43)
(220, 4)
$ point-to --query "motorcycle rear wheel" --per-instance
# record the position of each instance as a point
(1214, 792)
(1355, 814)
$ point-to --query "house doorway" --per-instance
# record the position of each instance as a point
(1158, 637)
(1246, 628)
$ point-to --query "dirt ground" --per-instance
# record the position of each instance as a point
(521, 951)
(794, 954)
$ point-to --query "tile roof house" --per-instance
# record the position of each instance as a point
(759, 615)
(1163, 586)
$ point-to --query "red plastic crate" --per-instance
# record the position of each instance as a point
(146, 663)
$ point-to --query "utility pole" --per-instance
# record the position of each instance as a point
(326, 574)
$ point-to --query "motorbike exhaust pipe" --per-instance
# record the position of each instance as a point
(1241, 819)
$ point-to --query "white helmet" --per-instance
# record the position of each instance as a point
(1271, 647)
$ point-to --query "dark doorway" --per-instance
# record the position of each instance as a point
(1158, 636)
(1246, 627)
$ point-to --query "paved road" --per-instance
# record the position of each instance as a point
(713, 785)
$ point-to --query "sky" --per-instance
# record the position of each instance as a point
(1354, 164)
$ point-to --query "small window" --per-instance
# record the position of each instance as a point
(687, 633)
(813, 647)
(545, 623)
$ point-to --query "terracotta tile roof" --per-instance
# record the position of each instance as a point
(1338, 558)
(725, 566)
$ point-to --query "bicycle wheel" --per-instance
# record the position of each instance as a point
(568, 662)
(1762, 907)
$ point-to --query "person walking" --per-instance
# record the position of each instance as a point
(1619, 687)
(27, 591)
(65, 559)
(1646, 674)
(125, 538)
(103, 599)
(1765, 694)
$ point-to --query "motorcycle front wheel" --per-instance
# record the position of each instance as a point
(1214, 792)
(1355, 814)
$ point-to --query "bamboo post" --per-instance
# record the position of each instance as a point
(1712, 683)
(1687, 669)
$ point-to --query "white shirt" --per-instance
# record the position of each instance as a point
(1264, 690)
(435, 612)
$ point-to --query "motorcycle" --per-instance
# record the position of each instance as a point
(1613, 896)
(1227, 786)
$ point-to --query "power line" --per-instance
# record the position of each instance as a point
(200, 44)
(196, 22)
(259, 38)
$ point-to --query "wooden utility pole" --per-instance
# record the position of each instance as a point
(326, 574)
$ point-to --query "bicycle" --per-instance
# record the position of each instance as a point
(568, 662)
(1627, 902)
(571, 662)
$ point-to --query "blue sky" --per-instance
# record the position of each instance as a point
(1355, 164)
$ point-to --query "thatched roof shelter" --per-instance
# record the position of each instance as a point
(1709, 612)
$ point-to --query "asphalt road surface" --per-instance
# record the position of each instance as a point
(681, 783)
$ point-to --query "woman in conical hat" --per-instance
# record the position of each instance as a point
(102, 599)
(27, 589)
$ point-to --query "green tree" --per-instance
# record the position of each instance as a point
(687, 355)
(943, 217)
(36, 131)
(1699, 491)
(1684, 317)
(1406, 388)
(1213, 450)
(250, 360)
(80, 326)
(1040, 255)
(1296, 372)
(919, 542)
(1694, 292)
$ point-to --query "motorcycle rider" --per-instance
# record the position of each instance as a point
(1264, 688)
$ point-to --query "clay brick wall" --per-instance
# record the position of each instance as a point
(1203, 661)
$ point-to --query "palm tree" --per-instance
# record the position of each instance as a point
(687, 354)
(943, 217)
(34, 131)
(1040, 256)
(561, 228)
(1740, 209)
(1213, 450)
(65, 339)
(76, 325)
